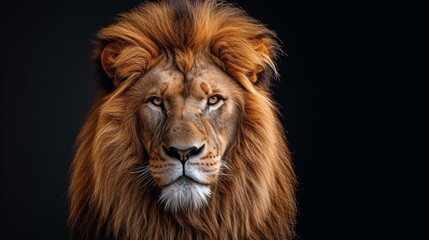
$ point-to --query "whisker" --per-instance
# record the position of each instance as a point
(144, 177)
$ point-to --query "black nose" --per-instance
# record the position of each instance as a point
(182, 155)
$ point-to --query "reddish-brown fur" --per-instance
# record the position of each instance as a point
(253, 199)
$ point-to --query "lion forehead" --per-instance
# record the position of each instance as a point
(206, 76)
(203, 79)
(161, 77)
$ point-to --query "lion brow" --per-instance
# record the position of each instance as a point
(205, 88)
(163, 88)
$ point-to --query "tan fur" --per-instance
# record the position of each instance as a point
(185, 52)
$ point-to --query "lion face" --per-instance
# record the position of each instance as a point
(187, 123)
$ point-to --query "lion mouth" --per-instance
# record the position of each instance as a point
(184, 179)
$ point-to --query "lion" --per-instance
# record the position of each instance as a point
(183, 140)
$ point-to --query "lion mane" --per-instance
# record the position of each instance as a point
(254, 197)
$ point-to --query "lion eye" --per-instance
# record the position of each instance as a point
(156, 101)
(213, 100)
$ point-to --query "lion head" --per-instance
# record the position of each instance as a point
(183, 140)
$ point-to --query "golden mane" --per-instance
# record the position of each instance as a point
(254, 198)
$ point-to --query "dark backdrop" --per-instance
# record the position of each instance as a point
(354, 94)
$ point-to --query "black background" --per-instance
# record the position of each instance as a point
(353, 91)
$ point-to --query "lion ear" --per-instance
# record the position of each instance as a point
(249, 58)
(266, 48)
(108, 58)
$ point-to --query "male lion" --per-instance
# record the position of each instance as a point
(183, 140)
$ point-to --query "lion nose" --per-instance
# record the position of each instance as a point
(182, 155)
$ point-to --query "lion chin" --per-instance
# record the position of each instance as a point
(184, 193)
